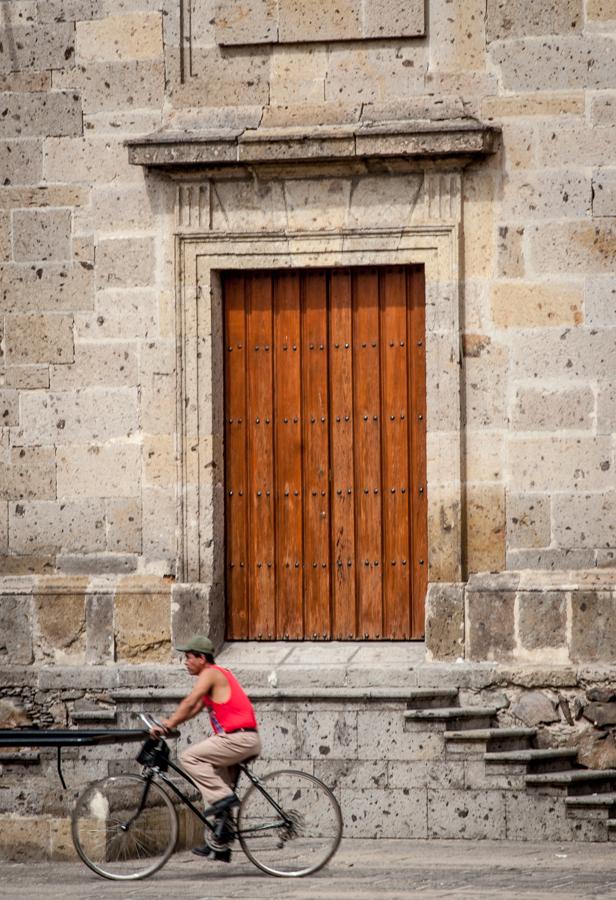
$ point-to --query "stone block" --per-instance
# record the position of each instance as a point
(124, 525)
(606, 408)
(445, 621)
(602, 109)
(99, 629)
(583, 353)
(559, 463)
(478, 232)
(92, 160)
(522, 105)
(593, 626)
(484, 456)
(297, 76)
(27, 565)
(525, 305)
(529, 64)
(379, 738)
(114, 86)
(490, 625)
(125, 263)
(132, 36)
(485, 537)
(61, 620)
(605, 559)
(551, 559)
(189, 612)
(237, 79)
(87, 416)
(37, 339)
(120, 314)
(45, 526)
(393, 18)
(27, 378)
(542, 620)
(21, 161)
(425, 773)
(42, 196)
(585, 520)
(533, 817)
(473, 815)
(485, 375)
(587, 146)
(142, 626)
(160, 460)
(601, 10)
(600, 302)
(15, 629)
(546, 195)
(68, 10)
(604, 193)
(374, 73)
(18, 82)
(41, 234)
(46, 287)
(444, 533)
(254, 22)
(96, 563)
(159, 526)
(117, 209)
(329, 734)
(510, 252)
(9, 407)
(38, 48)
(528, 520)
(575, 248)
(112, 365)
(301, 20)
(505, 20)
(99, 471)
(41, 114)
(5, 236)
(28, 474)
(25, 838)
(353, 774)
(541, 409)
(280, 734)
(385, 813)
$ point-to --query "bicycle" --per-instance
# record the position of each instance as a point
(125, 827)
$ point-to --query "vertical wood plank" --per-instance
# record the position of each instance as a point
(236, 508)
(288, 437)
(415, 281)
(344, 612)
(395, 443)
(367, 434)
(315, 419)
(261, 537)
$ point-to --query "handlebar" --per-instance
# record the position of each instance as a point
(150, 721)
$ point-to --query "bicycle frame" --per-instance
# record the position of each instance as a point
(154, 771)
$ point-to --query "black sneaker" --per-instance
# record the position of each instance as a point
(216, 855)
(223, 805)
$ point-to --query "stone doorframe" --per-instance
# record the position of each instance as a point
(424, 210)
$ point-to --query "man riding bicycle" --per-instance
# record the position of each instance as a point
(212, 762)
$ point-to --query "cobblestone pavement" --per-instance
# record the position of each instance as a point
(362, 870)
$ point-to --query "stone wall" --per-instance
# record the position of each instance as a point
(89, 451)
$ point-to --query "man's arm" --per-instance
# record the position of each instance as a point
(189, 707)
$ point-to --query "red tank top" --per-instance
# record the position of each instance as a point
(236, 713)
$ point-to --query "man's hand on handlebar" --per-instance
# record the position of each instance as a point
(157, 729)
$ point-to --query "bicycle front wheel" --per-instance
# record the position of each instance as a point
(290, 824)
(123, 832)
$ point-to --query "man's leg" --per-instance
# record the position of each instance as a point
(210, 763)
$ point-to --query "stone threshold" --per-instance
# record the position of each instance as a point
(464, 138)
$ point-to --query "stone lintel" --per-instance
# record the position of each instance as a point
(465, 139)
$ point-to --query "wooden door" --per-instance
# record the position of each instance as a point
(325, 481)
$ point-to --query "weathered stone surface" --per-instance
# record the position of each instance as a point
(600, 302)
(528, 520)
(42, 196)
(490, 625)
(42, 114)
(300, 20)
(546, 17)
(223, 81)
(606, 408)
(61, 623)
(41, 235)
(593, 625)
(600, 714)
(377, 73)
(534, 104)
(510, 253)
(37, 48)
(41, 338)
(589, 147)
(51, 286)
(15, 629)
(12, 716)
(604, 193)
(99, 471)
(445, 621)
(541, 409)
(585, 520)
(99, 628)
(125, 262)
(542, 619)
(124, 525)
(543, 464)
(484, 456)
(255, 22)
(385, 813)
(134, 84)
(597, 750)
(68, 10)
(111, 365)
(131, 36)
(574, 353)
(45, 526)
(29, 473)
(27, 377)
(91, 160)
(9, 407)
(535, 708)
(90, 415)
(531, 63)
(524, 305)
(484, 374)
(25, 81)
(142, 626)
(330, 734)
(21, 162)
(576, 248)
(485, 528)
(120, 314)
(466, 814)
(550, 559)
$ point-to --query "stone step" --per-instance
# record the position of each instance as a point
(477, 741)
(432, 698)
(597, 800)
(569, 777)
(94, 715)
(547, 760)
(447, 713)
(489, 734)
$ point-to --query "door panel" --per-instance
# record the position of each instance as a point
(326, 507)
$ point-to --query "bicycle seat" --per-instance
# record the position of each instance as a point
(249, 759)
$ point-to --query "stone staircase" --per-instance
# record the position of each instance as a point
(564, 800)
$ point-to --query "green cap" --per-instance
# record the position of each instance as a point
(198, 643)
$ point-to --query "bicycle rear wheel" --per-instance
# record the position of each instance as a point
(297, 833)
(118, 835)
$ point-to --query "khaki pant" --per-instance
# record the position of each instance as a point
(212, 763)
